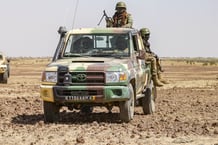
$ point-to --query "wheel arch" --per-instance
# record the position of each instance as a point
(133, 83)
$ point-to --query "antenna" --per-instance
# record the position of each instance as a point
(75, 11)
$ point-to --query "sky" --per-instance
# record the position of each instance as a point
(179, 28)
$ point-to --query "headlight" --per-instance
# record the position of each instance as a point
(49, 77)
(113, 77)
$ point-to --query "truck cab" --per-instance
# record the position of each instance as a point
(98, 67)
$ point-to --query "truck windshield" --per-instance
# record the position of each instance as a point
(97, 45)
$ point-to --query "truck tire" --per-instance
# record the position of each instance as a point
(127, 107)
(51, 112)
(148, 101)
(5, 78)
(1, 78)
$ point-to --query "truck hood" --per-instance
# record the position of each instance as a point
(92, 64)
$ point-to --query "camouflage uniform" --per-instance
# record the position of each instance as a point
(153, 58)
(121, 18)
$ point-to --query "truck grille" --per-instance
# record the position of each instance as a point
(82, 78)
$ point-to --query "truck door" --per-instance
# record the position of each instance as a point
(140, 64)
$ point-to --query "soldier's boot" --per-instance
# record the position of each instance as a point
(156, 81)
(160, 78)
(155, 72)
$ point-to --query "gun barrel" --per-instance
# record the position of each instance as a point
(104, 15)
(100, 20)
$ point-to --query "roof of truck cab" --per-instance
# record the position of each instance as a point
(101, 30)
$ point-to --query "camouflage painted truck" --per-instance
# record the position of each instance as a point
(98, 67)
(4, 69)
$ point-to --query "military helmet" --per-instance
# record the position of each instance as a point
(120, 5)
(144, 31)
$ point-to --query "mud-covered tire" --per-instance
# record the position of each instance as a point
(148, 101)
(8, 66)
(51, 112)
(5, 78)
(127, 107)
(1, 77)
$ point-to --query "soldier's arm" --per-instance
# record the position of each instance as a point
(129, 22)
(109, 21)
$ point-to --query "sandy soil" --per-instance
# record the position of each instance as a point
(187, 112)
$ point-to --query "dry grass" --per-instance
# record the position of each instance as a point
(30, 60)
(209, 61)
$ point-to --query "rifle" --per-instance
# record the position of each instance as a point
(106, 18)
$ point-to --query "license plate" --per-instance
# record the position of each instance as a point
(79, 98)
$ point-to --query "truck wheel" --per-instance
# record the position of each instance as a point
(51, 112)
(8, 66)
(127, 107)
(1, 78)
(148, 101)
(5, 78)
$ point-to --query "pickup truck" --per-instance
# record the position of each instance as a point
(98, 67)
(4, 69)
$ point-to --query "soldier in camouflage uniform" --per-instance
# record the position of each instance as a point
(121, 18)
(153, 58)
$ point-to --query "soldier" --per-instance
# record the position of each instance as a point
(121, 44)
(82, 45)
(121, 18)
(153, 58)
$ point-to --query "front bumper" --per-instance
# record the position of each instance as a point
(95, 94)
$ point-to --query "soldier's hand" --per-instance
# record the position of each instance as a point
(107, 19)
(109, 22)
(155, 55)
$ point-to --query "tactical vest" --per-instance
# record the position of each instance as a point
(120, 19)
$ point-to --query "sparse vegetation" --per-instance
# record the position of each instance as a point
(30, 60)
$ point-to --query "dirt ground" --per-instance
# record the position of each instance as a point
(186, 111)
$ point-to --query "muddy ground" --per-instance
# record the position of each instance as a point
(186, 111)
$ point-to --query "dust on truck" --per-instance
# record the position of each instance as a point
(4, 68)
(98, 67)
